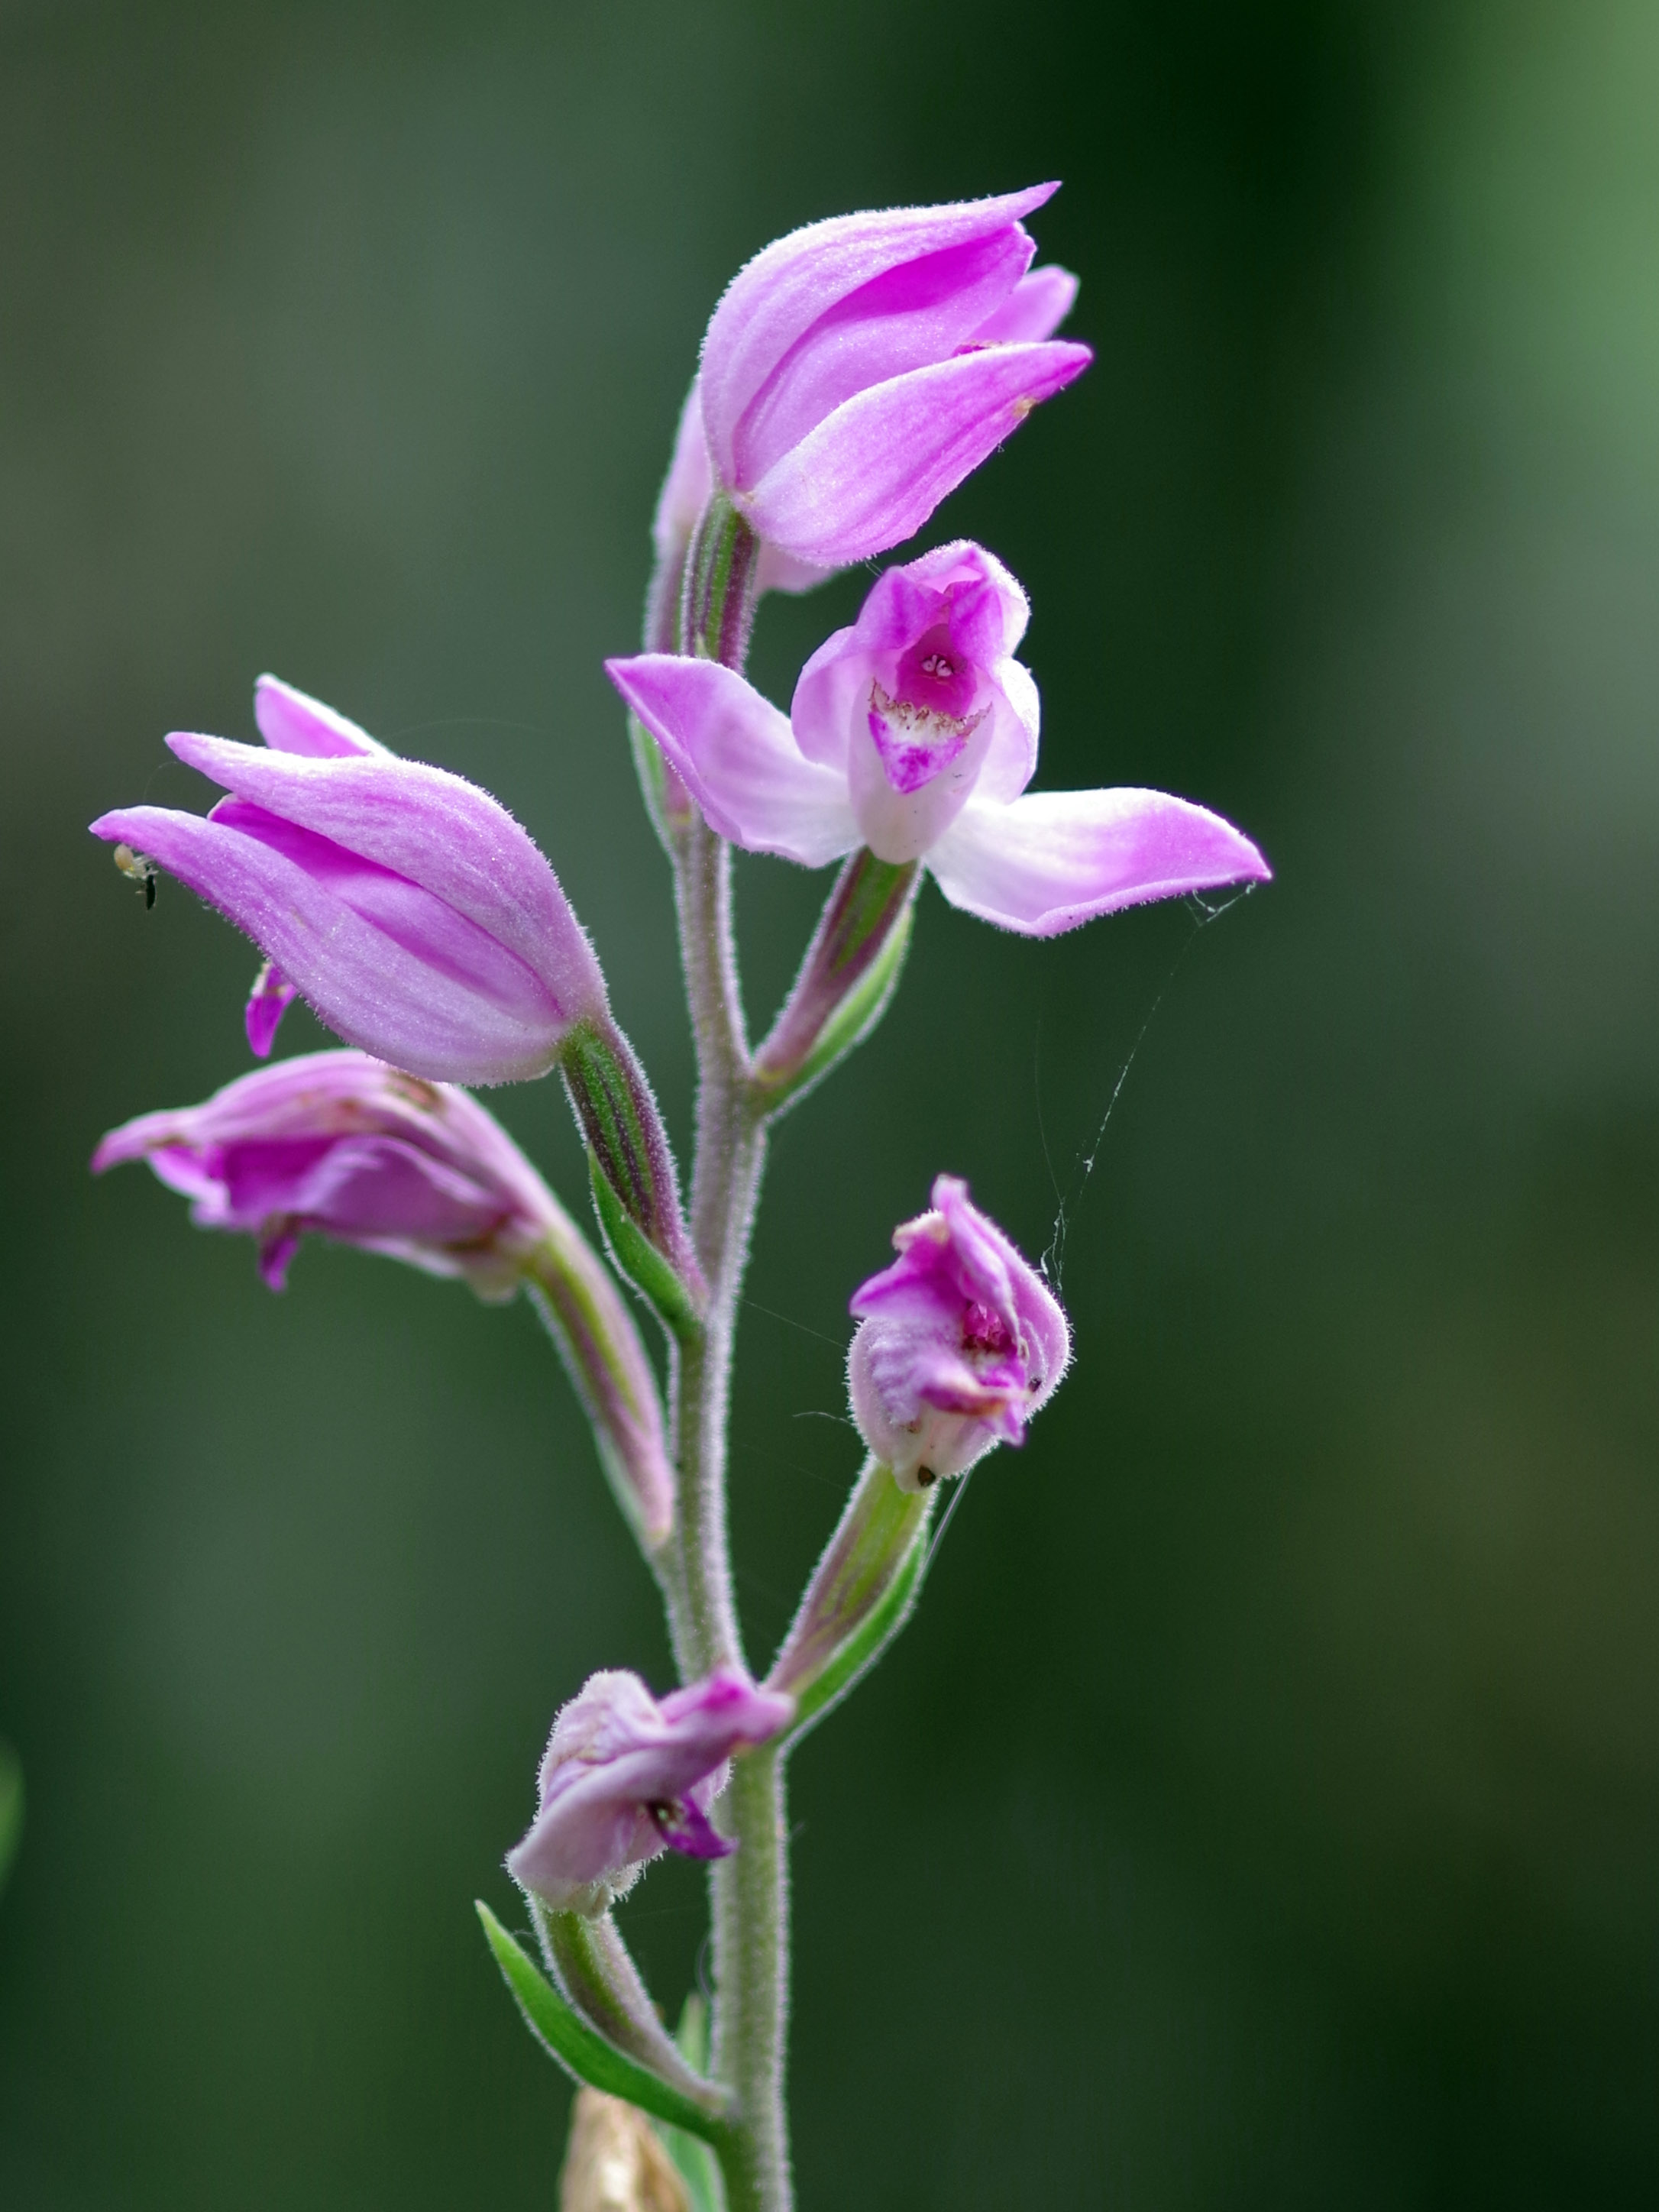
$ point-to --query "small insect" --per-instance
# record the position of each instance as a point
(139, 871)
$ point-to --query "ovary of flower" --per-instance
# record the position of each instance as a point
(961, 1341)
(406, 905)
(914, 732)
(625, 1777)
(857, 370)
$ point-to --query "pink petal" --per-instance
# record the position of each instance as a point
(456, 842)
(775, 300)
(1055, 858)
(873, 472)
(291, 722)
(738, 758)
(920, 311)
(481, 1017)
(1035, 309)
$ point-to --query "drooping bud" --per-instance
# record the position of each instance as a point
(961, 1342)
(338, 1145)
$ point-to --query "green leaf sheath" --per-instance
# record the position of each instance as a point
(847, 978)
(580, 2050)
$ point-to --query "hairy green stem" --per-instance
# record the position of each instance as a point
(751, 2016)
(751, 1936)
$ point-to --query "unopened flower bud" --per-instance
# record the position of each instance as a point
(961, 1342)
(404, 905)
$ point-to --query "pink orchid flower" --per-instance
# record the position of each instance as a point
(961, 1342)
(406, 905)
(914, 732)
(1032, 311)
(857, 370)
(338, 1145)
(626, 1778)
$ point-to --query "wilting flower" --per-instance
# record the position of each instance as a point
(857, 370)
(337, 1145)
(1032, 311)
(625, 1777)
(961, 1342)
(914, 732)
(406, 905)
(340, 1144)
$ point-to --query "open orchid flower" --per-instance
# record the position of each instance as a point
(625, 1777)
(914, 732)
(1032, 311)
(857, 370)
(406, 905)
(962, 1342)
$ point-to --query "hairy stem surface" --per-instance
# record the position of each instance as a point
(750, 1888)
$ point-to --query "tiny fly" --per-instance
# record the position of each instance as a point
(139, 871)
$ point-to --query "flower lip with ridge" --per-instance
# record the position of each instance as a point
(856, 371)
(625, 1777)
(960, 1343)
(913, 732)
(406, 905)
(340, 1144)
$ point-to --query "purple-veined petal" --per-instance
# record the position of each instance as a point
(1054, 859)
(774, 301)
(458, 1006)
(291, 721)
(738, 758)
(461, 845)
(872, 473)
(1035, 309)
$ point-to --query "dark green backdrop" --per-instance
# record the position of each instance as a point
(1264, 1810)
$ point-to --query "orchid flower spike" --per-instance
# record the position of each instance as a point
(1031, 313)
(406, 905)
(914, 732)
(857, 370)
(625, 1779)
(961, 1342)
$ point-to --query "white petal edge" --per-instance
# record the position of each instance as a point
(1049, 861)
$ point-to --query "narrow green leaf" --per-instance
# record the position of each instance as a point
(578, 2048)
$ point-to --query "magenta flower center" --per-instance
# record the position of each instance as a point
(919, 732)
(984, 1331)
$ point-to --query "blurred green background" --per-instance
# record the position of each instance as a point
(1264, 1809)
